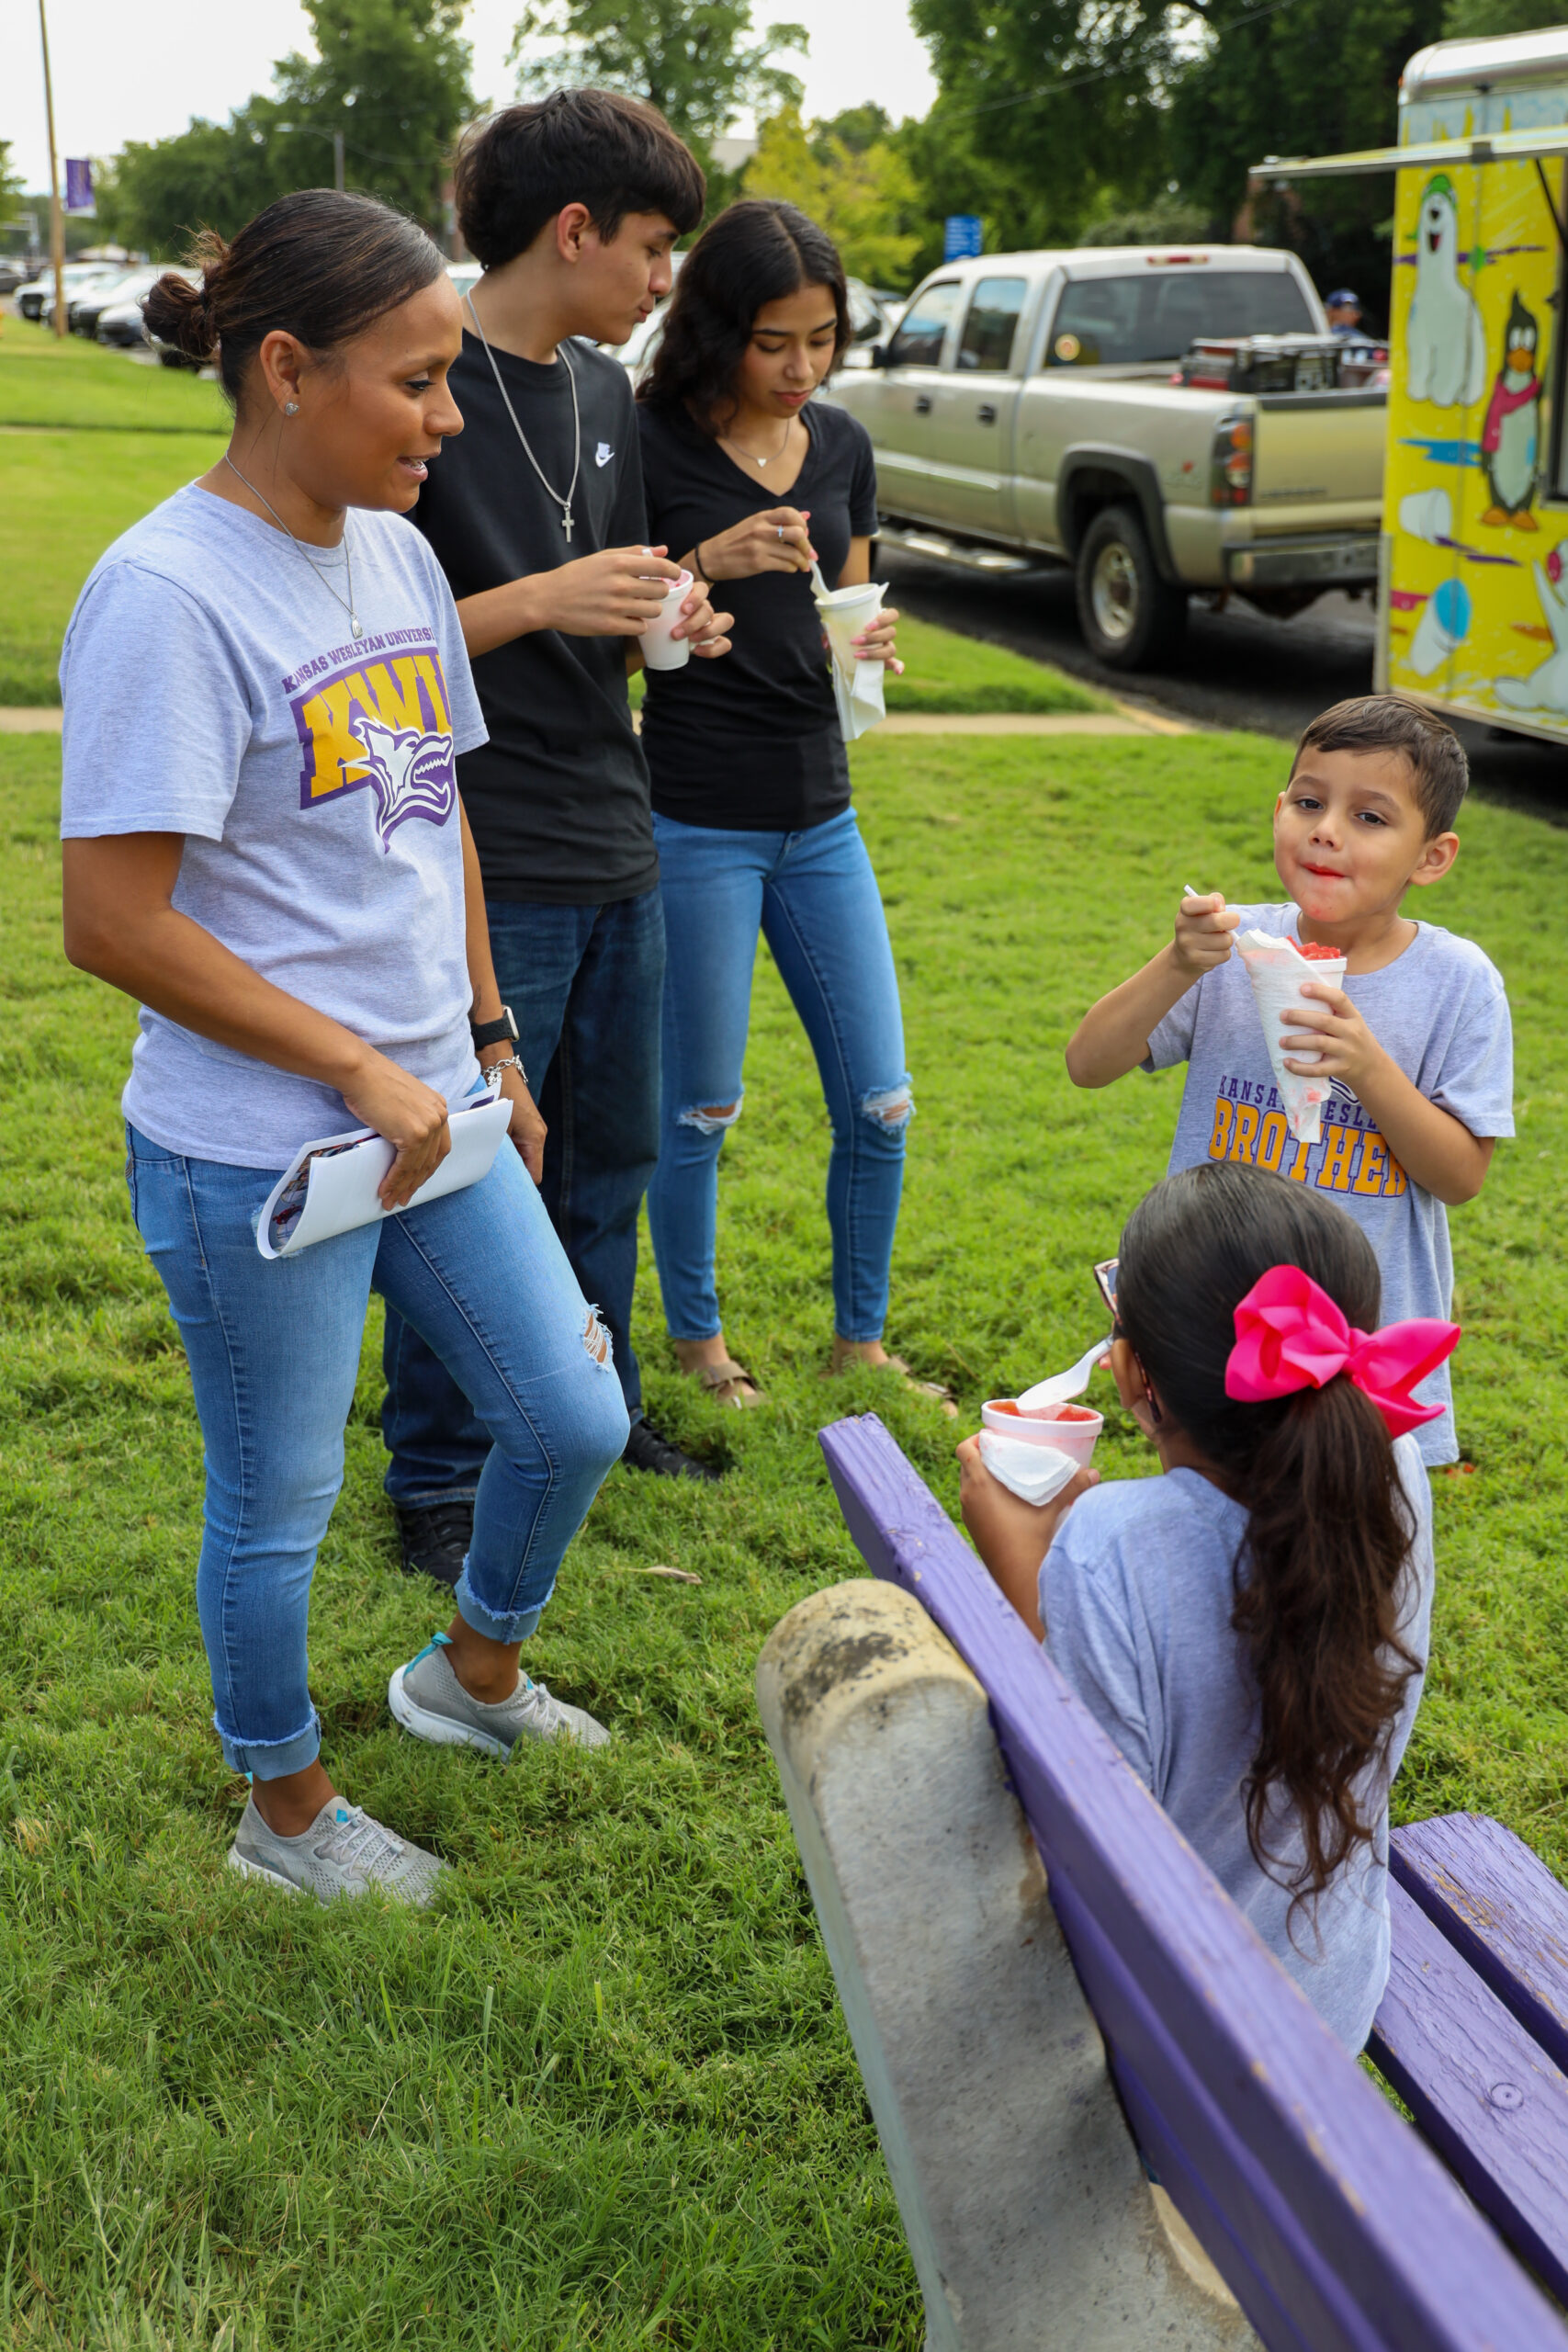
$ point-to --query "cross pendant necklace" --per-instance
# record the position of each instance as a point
(564, 502)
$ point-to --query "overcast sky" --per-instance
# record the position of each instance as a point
(122, 73)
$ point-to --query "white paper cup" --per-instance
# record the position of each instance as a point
(1278, 976)
(1069, 1428)
(660, 650)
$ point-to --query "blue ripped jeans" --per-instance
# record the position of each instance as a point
(273, 1349)
(813, 897)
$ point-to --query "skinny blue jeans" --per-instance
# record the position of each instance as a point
(273, 1349)
(813, 896)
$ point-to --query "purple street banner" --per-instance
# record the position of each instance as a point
(78, 184)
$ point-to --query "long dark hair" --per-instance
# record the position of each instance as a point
(1319, 1577)
(756, 252)
(316, 264)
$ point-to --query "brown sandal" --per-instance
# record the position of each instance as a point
(728, 1382)
(902, 1370)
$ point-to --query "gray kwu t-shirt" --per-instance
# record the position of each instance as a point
(1441, 1011)
(213, 688)
(1136, 1592)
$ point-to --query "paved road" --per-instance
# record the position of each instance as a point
(1236, 669)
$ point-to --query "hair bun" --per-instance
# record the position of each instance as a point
(180, 313)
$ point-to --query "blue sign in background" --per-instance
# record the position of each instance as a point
(961, 236)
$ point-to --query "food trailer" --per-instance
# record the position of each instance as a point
(1472, 605)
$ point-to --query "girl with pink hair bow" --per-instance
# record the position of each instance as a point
(1251, 1626)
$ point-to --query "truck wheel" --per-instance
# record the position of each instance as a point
(1129, 615)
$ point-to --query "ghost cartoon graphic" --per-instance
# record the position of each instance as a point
(1546, 688)
(411, 773)
(1444, 341)
(1511, 435)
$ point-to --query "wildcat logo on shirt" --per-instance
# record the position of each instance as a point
(377, 715)
(1350, 1156)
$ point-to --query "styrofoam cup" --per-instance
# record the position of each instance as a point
(1069, 1428)
(659, 650)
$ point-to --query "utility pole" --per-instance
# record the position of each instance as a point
(337, 153)
(56, 217)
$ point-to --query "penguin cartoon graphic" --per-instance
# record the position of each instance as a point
(1547, 687)
(1510, 436)
(1445, 342)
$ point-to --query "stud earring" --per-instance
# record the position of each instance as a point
(290, 408)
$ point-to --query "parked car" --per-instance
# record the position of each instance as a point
(40, 290)
(868, 320)
(1025, 410)
(12, 275)
(87, 309)
(103, 275)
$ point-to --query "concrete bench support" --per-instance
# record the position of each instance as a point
(1026, 2206)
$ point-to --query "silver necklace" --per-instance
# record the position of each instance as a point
(768, 460)
(564, 504)
(347, 602)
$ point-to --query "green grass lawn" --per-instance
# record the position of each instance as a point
(65, 380)
(604, 2096)
(63, 497)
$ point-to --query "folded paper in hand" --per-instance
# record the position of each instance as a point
(1277, 970)
(331, 1186)
(1035, 1474)
(857, 686)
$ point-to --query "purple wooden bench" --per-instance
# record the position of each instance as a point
(1331, 2222)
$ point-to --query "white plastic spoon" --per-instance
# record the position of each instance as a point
(1063, 1387)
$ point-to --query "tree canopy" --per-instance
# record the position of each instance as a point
(695, 59)
(390, 75)
(863, 197)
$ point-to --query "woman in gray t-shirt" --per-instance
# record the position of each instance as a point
(265, 689)
(1251, 1627)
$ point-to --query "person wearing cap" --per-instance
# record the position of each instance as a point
(1344, 308)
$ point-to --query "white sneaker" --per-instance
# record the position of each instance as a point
(343, 1852)
(428, 1700)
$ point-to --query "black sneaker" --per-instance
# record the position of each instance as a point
(435, 1538)
(646, 1450)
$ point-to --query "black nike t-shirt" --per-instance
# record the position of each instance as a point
(558, 800)
(752, 741)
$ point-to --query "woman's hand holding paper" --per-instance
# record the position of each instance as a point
(412, 1116)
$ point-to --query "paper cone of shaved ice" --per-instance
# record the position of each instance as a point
(1277, 968)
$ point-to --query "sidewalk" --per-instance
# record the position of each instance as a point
(1122, 720)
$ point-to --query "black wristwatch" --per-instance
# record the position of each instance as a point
(494, 1033)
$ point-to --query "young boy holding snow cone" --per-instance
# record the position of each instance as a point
(1409, 1048)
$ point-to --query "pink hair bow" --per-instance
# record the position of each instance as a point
(1290, 1335)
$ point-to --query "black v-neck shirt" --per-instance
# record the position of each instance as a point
(750, 742)
(558, 800)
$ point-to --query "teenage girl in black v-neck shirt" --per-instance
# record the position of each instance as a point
(750, 782)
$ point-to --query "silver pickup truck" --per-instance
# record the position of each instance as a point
(1025, 412)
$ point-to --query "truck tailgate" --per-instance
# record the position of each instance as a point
(1318, 461)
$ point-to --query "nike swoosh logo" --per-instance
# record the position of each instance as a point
(602, 454)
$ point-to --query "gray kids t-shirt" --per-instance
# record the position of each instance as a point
(1136, 1593)
(1441, 1011)
(213, 687)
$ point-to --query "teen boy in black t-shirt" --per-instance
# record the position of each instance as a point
(535, 513)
